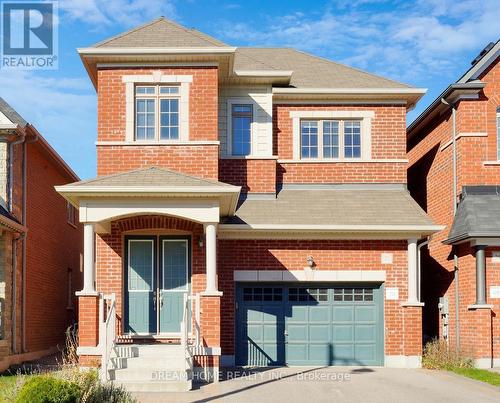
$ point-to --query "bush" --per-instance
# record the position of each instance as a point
(439, 355)
(47, 389)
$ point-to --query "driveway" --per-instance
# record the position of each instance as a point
(336, 384)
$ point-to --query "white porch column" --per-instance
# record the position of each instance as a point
(412, 271)
(88, 258)
(211, 256)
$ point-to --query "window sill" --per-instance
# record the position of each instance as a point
(348, 161)
(248, 157)
(491, 162)
(158, 143)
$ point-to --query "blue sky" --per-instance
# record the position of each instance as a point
(425, 43)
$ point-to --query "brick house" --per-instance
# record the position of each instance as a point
(250, 208)
(37, 279)
(454, 173)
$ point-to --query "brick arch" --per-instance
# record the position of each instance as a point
(154, 222)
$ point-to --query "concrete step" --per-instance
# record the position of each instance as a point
(155, 363)
(150, 350)
(150, 375)
(178, 386)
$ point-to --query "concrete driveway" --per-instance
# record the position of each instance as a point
(336, 384)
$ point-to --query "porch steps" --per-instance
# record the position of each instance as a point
(152, 368)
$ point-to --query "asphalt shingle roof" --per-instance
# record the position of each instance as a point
(309, 71)
(478, 214)
(333, 207)
(161, 33)
(149, 177)
(11, 114)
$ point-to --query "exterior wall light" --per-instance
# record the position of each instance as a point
(200, 242)
(310, 261)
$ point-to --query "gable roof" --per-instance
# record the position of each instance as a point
(160, 33)
(152, 177)
(478, 214)
(309, 71)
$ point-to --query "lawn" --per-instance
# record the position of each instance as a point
(7, 383)
(493, 378)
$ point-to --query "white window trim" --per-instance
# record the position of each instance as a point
(365, 117)
(229, 124)
(157, 77)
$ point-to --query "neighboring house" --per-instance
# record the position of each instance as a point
(454, 152)
(40, 244)
(265, 187)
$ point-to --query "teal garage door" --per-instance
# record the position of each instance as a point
(309, 325)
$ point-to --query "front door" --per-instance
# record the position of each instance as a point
(156, 280)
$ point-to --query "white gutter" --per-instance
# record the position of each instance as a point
(306, 227)
(415, 91)
(148, 51)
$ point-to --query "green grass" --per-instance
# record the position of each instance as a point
(493, 378)
(7, 384)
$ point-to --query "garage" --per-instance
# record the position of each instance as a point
(309, 324)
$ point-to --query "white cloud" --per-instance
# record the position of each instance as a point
(112, 12)
(62, 109)
(401, 40)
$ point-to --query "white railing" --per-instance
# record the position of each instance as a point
(107, 331)
(191, 318)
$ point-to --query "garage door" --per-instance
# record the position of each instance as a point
(309, 325)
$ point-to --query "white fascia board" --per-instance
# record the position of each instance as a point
(416, 91)
(146, 50)
(263, 73)
(8, 126)
(321, 228)
(69, 189)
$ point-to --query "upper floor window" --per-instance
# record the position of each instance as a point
(241, 129)
(330, 139)
(498, 133)
(157, 112)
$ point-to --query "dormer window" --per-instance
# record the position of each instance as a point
(157, 112)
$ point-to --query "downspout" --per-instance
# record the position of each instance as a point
(10, 184)
(455, 186)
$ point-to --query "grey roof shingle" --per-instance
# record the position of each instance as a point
(309, 71)
(333, 207)
(149, 177)
(161, 33)
(478, 214)
(11, 114)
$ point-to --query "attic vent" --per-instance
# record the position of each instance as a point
(482, 53)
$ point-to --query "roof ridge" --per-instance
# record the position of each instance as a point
(324, 59)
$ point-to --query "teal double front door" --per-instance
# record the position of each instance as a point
(157, 276)
(309, 324)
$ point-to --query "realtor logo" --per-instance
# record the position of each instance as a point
(29, 35)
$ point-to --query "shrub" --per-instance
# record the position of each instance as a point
(439, 355)
(47, 389)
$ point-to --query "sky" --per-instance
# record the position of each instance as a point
(424, 43)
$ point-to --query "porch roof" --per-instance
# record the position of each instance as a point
(152, 182)
(478, 215)
(377, 209)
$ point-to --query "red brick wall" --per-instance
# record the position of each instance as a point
(192, 160)
(53, 247)
(88, 329)
(253, 175)
(402, 325)
(430, 183)
(388, 138)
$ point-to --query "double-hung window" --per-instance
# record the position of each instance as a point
(157, 112)
(241, 129)
(330, 139)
